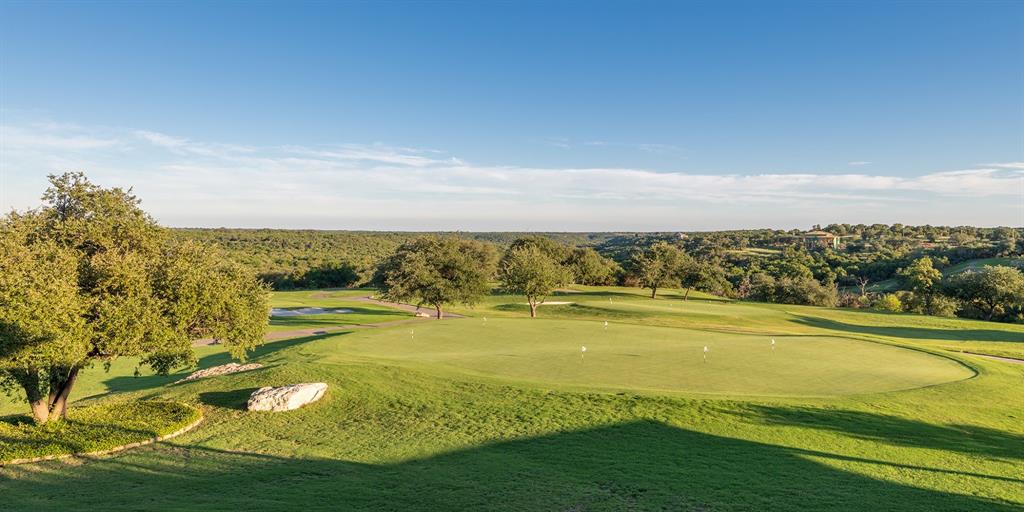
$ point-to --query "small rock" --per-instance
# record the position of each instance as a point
(286, 398)
(223, 369)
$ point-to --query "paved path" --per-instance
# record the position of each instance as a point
(314, 331)
(998, 358)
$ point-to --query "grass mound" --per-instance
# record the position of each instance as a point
(94, 428)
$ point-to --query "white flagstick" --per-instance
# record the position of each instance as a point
(705, 353)
(412, 334)
(583, 351)
(606, 325)
(773, 344)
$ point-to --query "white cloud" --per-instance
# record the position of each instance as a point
(858, 163)
(188, 182)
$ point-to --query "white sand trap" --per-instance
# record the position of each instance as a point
(553, 303)
(307, 311)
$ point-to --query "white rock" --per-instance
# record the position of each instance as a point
(286, 398)
(223, 369)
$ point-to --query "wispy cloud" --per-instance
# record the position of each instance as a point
(189, 182)
(858, 163)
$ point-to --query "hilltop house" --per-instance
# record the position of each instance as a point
(821, 238)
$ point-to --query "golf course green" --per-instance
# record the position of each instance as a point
(852, 410)
(658, 359)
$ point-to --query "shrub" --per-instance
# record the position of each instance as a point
(889, 302)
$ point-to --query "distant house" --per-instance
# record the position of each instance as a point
(819, 238)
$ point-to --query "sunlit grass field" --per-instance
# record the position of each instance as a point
(852, 411)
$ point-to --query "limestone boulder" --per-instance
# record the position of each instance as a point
(223, 369)
(286, 398)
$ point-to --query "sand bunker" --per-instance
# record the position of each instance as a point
(307, 311)
(555, 303)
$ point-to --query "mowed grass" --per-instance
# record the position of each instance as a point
(659, 359)
(452, 424)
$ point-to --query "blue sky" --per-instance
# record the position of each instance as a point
(522, 115)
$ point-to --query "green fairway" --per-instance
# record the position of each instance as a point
(505, 414)
(636, 357)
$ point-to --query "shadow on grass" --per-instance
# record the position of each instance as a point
(237, 399)
(573, 311)
(131, 383)
(921, 333)
(642, 465)
(892, 430)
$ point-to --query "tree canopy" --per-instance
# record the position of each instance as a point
(529, 271)
(438, 271)
(991, 290)
(90, 277)
(659, 266)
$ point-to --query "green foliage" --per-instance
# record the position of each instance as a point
(93, 428)
(990, 291)
(90, 277)
(920, 276)
(889, 302)
(590, 268)
(528, 270)
(659, 266)
(438, 271)
(800, 289)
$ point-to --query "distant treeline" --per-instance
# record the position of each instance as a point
(765, 265)
(298, 259)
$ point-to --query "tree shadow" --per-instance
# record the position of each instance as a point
(124, 383)
(237, 399)
(922, 333)
(642, 465)
(894, 430)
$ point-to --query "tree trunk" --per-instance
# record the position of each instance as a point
(40, 411)
(59, 407)
(654, 291)
(440, 315)
(30, 382)
(533, 308)
(687, 294)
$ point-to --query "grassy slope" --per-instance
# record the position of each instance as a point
(395, 436)
(976, 264)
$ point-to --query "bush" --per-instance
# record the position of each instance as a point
(889, 302)
(93, 428)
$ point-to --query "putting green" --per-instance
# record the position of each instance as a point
(643, 358)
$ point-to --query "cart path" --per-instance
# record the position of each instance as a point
(315, 331)
(998, 358)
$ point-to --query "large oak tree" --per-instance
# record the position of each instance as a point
(90, 277)
(659, 266)
(438, 271)
(529, 271)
